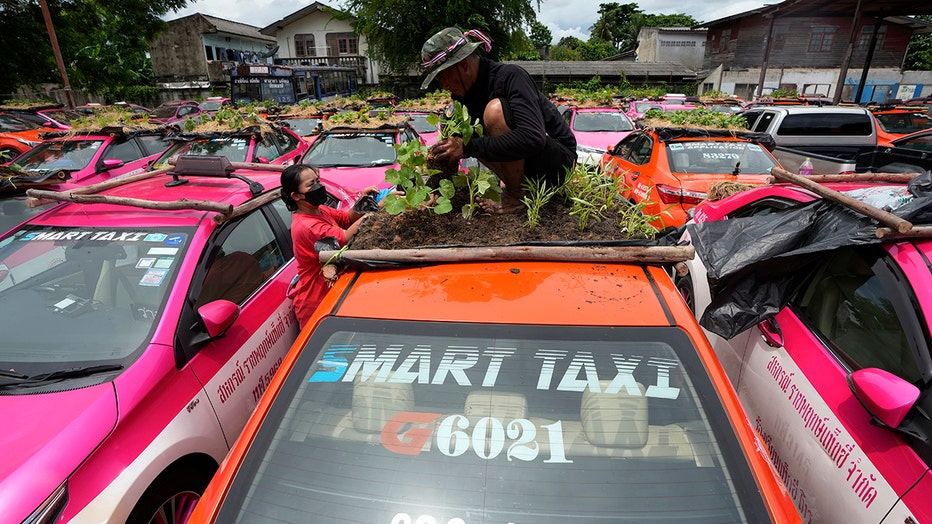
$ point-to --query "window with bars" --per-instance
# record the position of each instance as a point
(864, 38)
(304, 45)
(821, 39)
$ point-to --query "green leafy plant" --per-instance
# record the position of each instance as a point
(536, 196)
(590, 193)
(411, 176)
(456, 122)
(699, 117)
(479, 183)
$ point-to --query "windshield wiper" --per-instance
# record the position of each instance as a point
(18, 379)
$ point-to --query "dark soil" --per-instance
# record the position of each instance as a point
(421, 228)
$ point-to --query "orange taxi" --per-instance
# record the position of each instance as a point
(499, 391)
(17, 136)
(899, 121)
(666, 171)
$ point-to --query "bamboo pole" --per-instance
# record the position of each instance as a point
(34, 201)
(202, 205)
(246, 207)
(899, 178)
(888, 219)
(641, 254)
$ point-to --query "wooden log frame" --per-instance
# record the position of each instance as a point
(635, 254)
(88, 195)
(897, 178)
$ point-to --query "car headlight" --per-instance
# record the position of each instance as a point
(51, 508)
(590, 150)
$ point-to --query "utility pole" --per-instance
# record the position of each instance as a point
(55, 49)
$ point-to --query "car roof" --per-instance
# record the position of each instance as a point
(207, 181)
(530, 295)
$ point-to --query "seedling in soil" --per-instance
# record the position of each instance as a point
(411, 176)
(479, 183)
(536, 196)
(455, 122)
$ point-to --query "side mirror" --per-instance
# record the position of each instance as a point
(112, 163)
(218, 316)
(262, 160)
(48, 124)
(887, 397)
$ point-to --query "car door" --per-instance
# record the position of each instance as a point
(855, 312)
(626, 158)
(245, 264)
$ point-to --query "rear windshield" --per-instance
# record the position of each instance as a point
(826, 124)
(904, 123)
(352, 150)
(719, 156)
(235, 149)
(392, 422)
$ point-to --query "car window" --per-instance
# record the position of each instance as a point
(763, 122)
(826, 124)
(380, 420)
(154, 143)
(278, 206)
(352, 150)
(265, 147)
(10, 124)
(103, 290)
(904, 122)
(248, 257)
(125, 150)
(287, 141)
(421, 125)
(234, 149)
(639, 152)
(848, 303)
(762, 207)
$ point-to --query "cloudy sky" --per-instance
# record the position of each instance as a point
(562, 17)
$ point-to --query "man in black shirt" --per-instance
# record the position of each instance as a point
(524, 135)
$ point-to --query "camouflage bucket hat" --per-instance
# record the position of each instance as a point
(447, 48)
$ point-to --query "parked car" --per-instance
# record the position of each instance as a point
(897, 122)
(92, 107)
(355, 155)
(213, 103)
(175, 112)
(668, 170)
(835, 364)
(499, 391)
(910, 154)
(597, 129)
(139, 340)
(264, 143)
(50, 116)
(430, 133)
(308, 127)
(68, 160)
(637, 108)
(17, 136)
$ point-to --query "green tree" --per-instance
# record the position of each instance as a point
(103, 43)
(395, 30)
(596, 49)
(541, 35)
(919, 54)
(621, 23)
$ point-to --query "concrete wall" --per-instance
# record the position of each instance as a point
(680, 46)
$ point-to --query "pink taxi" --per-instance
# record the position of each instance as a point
(141, 331)
(597, 129)
(824, 331)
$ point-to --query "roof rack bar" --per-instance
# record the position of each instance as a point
(642, 254)
(888, 219)
(68, 196)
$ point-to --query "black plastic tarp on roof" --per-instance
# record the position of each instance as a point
(756, 263)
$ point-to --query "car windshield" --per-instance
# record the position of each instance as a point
(68, 155)
(719, 156)
(421, 125)
(211, 105)
(10, 124)
(919, 143)
(644, 107)
(352, 150)
(235, 149)
(440, 422)
(904, 123)
(593, 121)
(303, 126)
(82, 296)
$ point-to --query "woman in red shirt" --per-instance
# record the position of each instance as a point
(304, 195)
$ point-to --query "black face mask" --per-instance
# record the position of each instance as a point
(316, 195)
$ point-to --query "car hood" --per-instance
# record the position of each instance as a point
(45, 438)
(355, 179)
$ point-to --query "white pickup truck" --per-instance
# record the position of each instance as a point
(832, 137)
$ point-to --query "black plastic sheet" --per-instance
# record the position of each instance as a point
(756, 263)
